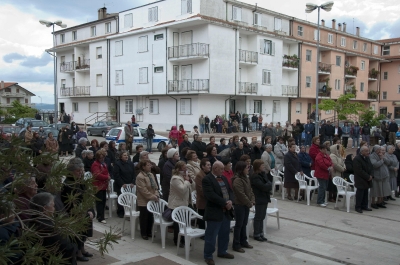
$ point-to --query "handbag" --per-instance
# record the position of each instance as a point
(167, 214)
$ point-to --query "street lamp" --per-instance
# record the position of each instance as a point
(40, 100)
(49, 24)
(310, 8)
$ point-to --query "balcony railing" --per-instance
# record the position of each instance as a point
(12, 94)
(189, 85)
(350, 89)
(324, 67)
(84, 64)
(248, 88)
(67, 66)
(323, 90)
(372, 94)
(75, 91)
(289, 90)
(351, 70)
(248, 56)
(188, 50)
(290, 61)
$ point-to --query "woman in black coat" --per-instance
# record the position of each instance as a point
(37, 144)
(292, 167)
(348, 162)
(237, 154)
(88, 160)
(124, 174)
(184, 144)
(262, 187)
(257, 151)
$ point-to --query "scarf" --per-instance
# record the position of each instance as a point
(152, 183)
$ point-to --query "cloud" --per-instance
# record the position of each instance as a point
(27, 74)
(28, 61)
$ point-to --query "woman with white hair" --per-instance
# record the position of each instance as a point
(269, 158)
(173, 158)
(379, 188)
(393, 166)
(80, 147)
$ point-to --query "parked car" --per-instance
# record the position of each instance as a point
(36, 124)
(9, 131)
(117, 135)
(58, 126)
(23, 122)
(101, 127)
(53, 130)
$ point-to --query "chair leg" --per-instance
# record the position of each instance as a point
(163, 235)
(177, 244)
(337, 197)
(277, 217)
(187, 247)
(283, 192)
(123, 226)
(273, 189)
(133, 225)
(348, 203)
(308, 196)
(298, 195)
(109, 208)
(152, 232)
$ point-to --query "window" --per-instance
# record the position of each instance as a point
(62, 83)
(119, 48)
(108, 27)
(316, 33)
(17, 90)
(362, 87)
(62, 38)
(330, 38)
(93, 31)
(153, 106)
(158, 69)
(186, 6)
(99, 53)
(75, 107)
(384, 95)
(308, 55)
(337, 84)
(308, 81)
(128, 20)
(257, 19)
(278, 24)
(362, 65)
(74, 35)
(398, 90)
(386, 50)
(328, 112)
(93, 107)
(257, 106)
(267, 47)
(26, 101)
(142, 44)
(266, 77)
(299, 31)
(143, 75)
(385, 75)
(383, 110)
(338, 60)
(128, 106)
(8, 100)
(343, 42)
(119, 77)
(159, 37)
(375, 49)
(298, 107)
(99, 80)
(355, 44)
(364, 47)
(236, 13)
(153, 14)
(186, 106)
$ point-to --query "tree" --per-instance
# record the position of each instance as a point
(16, 164)
(343, 106)
(21, 111)
(371, 117)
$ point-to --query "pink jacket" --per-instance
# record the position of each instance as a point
(174, 133)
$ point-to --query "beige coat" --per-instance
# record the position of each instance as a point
(28, 136)
(338, 166)
(180, 193)
(144, 191)
(266, 158)
(193, 169)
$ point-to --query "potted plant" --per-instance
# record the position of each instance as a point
(373, 73)
(372, 94)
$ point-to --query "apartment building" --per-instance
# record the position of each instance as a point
(11, 91)
(348, 64)
(389, 104)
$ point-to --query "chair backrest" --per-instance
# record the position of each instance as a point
(312, 174)
(87, 175)
(158, 179)
(274, 203)
(111, 185)
(351, 177)
(129, 189)
(157, 208)
(128, 201)
(301, 179)
(340, 183)
(183, 215)
(194, 197)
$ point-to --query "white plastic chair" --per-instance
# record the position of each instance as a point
(342, 187)
(352, 183)
(157, 208)
(183, 216)
(272, 211)
(159, 184)
(128, 188)
(302, 179)
(111, 196)
(250, 221)
(194, 197)
(277, 180)
(128, 201)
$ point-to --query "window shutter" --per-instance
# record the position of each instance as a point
(128, 21)
(268, 77)
(315, 34)
(151, 107)
(145, 75)
(298, 107)
(264, 77)
(117, 77)
(239, 14)
(184, 5)
(272, 48)
(118, 48)
(262, 43)
(155, 13)
(234, 13)
(150, 14)
(189, 6)
(141, 76)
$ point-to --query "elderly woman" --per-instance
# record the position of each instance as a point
(124, 175)
(244, 200)
(237, 154)
(262, 187)
(292, 167)
(184, 144)
(88, 160)
(323, 165)
(305, 161)
(81, 147)
(314, 150)
(147, 190)
(144, 155)
(173, 158)
(101, 178)
(51, 144)
(338, 167)
(269, 159)
(212, 154)
(81, 134)
(280, 151)
(380, 187)
(393, 165)
(94, 146)
(193, 165)
(257, 151)
(74, 187)
(180, 193)
(25, 194)
(205, 166)
(37, 144)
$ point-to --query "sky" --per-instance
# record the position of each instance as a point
(23, 39)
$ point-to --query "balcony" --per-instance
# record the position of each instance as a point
(248, 88)
(189, 85)
(351, 71)
(82, 65)
(194, 51)
(12, 95)
(66, 67)
(290, 62)
(373, 95)
(248, 57)
(373, 75)
(350, 89)
(324, 69)
(290, 91)
(76, 91)
(324, 90)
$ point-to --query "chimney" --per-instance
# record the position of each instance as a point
(333, 23)
(344, 26)
(102, 13)
(340, 27)
(323, 22)
(2, 84)
(358, 31)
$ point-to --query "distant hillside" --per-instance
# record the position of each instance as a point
(44, 106)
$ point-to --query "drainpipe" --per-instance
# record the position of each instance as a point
(108, 68)
(176, 116)
(236, 59)
(152, 69)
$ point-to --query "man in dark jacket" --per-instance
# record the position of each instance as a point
(329, 132)
(309, 129)
(393, 128)
(199, 147)
(218, 195)
(298, 129)
(363, 170)
(245, 123)
(268, 130)
(397, 154)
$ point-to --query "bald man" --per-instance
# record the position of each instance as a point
(218, 195)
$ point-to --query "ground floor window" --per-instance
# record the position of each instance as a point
(383, 110)
(153, 106)
(257, 106)
(186, 106)
(93, 107)
(75, 107)
(397, 112)
(128, 106)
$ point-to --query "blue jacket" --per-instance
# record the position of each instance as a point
(309, 128)
(305, 161)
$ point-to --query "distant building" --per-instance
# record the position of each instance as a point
(11, 91)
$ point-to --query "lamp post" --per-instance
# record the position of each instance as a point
(49, 24)
(40, 100)
(310, 8)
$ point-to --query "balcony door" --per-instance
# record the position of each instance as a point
(186, 74)
(186, 37)
(175, 78)
(276, 111)
(175, 44)
(186, 49)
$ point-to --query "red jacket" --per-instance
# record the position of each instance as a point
(100, 175)
(228, 175)
(181, 134)
(313, 152)
(322, 163)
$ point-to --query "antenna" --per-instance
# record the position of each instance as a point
(353, 26)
